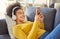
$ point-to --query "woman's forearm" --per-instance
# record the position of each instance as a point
(33, 31)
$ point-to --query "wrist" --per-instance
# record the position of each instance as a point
(41, 22)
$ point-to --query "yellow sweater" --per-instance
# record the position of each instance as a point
(28, 30)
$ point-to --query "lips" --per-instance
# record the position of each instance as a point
(23, 17)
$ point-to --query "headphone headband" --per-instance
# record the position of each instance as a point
(14, 9)
(13, 16)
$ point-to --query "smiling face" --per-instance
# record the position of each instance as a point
(20, 16)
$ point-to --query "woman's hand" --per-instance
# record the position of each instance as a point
(39, 17)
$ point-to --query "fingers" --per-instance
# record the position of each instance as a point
(40, 15)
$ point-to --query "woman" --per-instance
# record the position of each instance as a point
(26, 29)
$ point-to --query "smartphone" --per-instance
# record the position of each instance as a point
(38, 10)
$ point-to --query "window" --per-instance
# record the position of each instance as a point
(2, 8)
(5, 3)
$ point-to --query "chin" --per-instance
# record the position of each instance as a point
(23, 20)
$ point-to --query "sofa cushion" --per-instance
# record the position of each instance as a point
(3, 27)
(10, 24)
(57, 18)
(4, 36)
(29, 11)
(49, 15)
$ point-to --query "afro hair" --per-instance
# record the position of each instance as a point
(10, 8)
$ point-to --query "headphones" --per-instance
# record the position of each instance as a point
(13, 16)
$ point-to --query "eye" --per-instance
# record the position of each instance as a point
(20, 12)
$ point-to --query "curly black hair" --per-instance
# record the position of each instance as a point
(10, 8)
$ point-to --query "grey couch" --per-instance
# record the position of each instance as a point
(3, 30)
(52, 18)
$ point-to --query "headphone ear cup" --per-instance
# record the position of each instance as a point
(14, 17)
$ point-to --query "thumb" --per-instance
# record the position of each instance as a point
(36, 11)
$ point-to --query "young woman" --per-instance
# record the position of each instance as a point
(26, 29)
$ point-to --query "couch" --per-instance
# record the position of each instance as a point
(51, 19)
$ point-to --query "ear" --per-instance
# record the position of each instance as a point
(13, 17)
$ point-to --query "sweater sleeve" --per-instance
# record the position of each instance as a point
(33, 31)
(41, 25)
